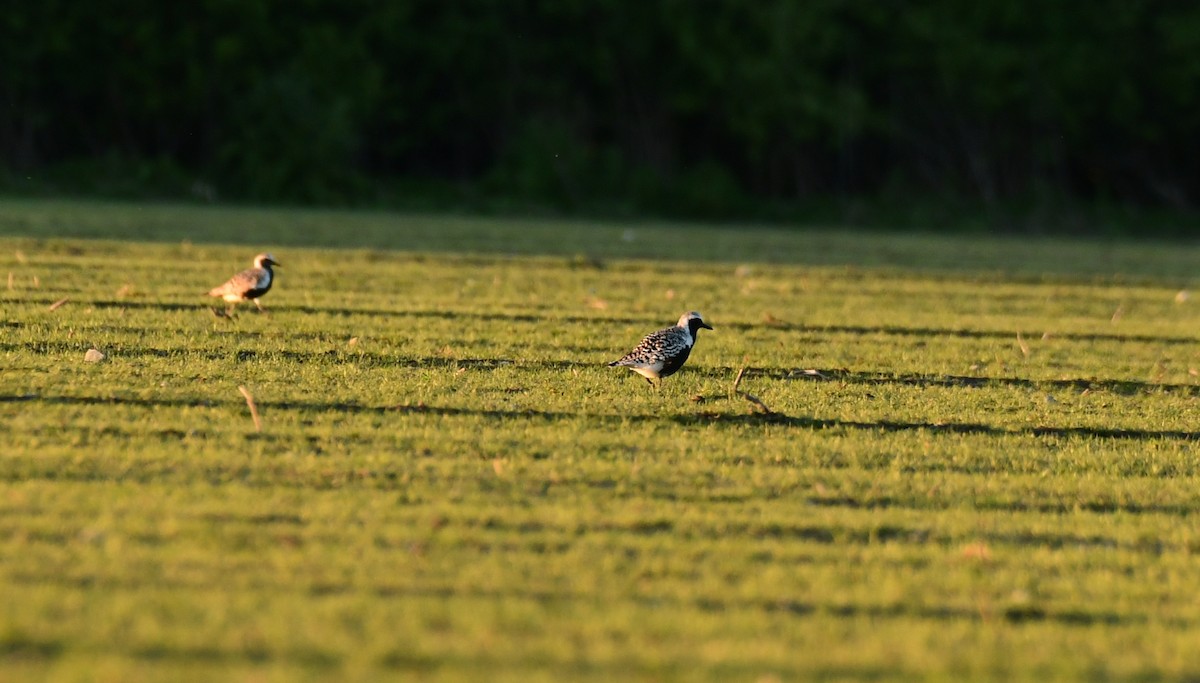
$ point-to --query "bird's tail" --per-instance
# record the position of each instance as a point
(614, 364)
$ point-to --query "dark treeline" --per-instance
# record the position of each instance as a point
(685, 107)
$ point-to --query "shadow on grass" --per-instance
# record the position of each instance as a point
(15, 647)
(306, 657)
(43, 649)
(703, 418)
(333, 355)
(834, 534)
(1012, 613)
(1116, 386)
(1015, 613)
(1008, 335)
(761, 419)
(203, 306)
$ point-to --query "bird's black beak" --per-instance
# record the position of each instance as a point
(276, 263)
(705, 325)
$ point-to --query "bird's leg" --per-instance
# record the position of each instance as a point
(229, 310)
(649, 381)
(260, 307)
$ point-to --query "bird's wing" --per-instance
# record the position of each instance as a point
(254, 278)
(655, 347)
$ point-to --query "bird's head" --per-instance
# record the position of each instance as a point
(692, 322)
(265, 261)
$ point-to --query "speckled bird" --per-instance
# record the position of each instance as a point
(248, 284)
(661, 354)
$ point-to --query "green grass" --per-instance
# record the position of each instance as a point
(466, 492)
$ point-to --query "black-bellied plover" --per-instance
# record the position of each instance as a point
(248, 284)
(661, 354)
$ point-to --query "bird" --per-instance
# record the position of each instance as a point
(661, 354)
(248, 284)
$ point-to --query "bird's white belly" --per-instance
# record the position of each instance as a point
(648, 371)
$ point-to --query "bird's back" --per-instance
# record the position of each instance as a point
(657, 347)
(245, 281)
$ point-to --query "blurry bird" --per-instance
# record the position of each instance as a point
(661, 354)
(248, 284)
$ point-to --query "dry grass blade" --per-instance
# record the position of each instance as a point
(737, 381)
(57, 304)
(253, 409)
(756, 401)
(1021, 343)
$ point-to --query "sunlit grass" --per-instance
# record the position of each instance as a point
(964, 474)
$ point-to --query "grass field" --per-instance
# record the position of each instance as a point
(980, 460)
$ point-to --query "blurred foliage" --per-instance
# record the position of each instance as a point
(699, 109)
